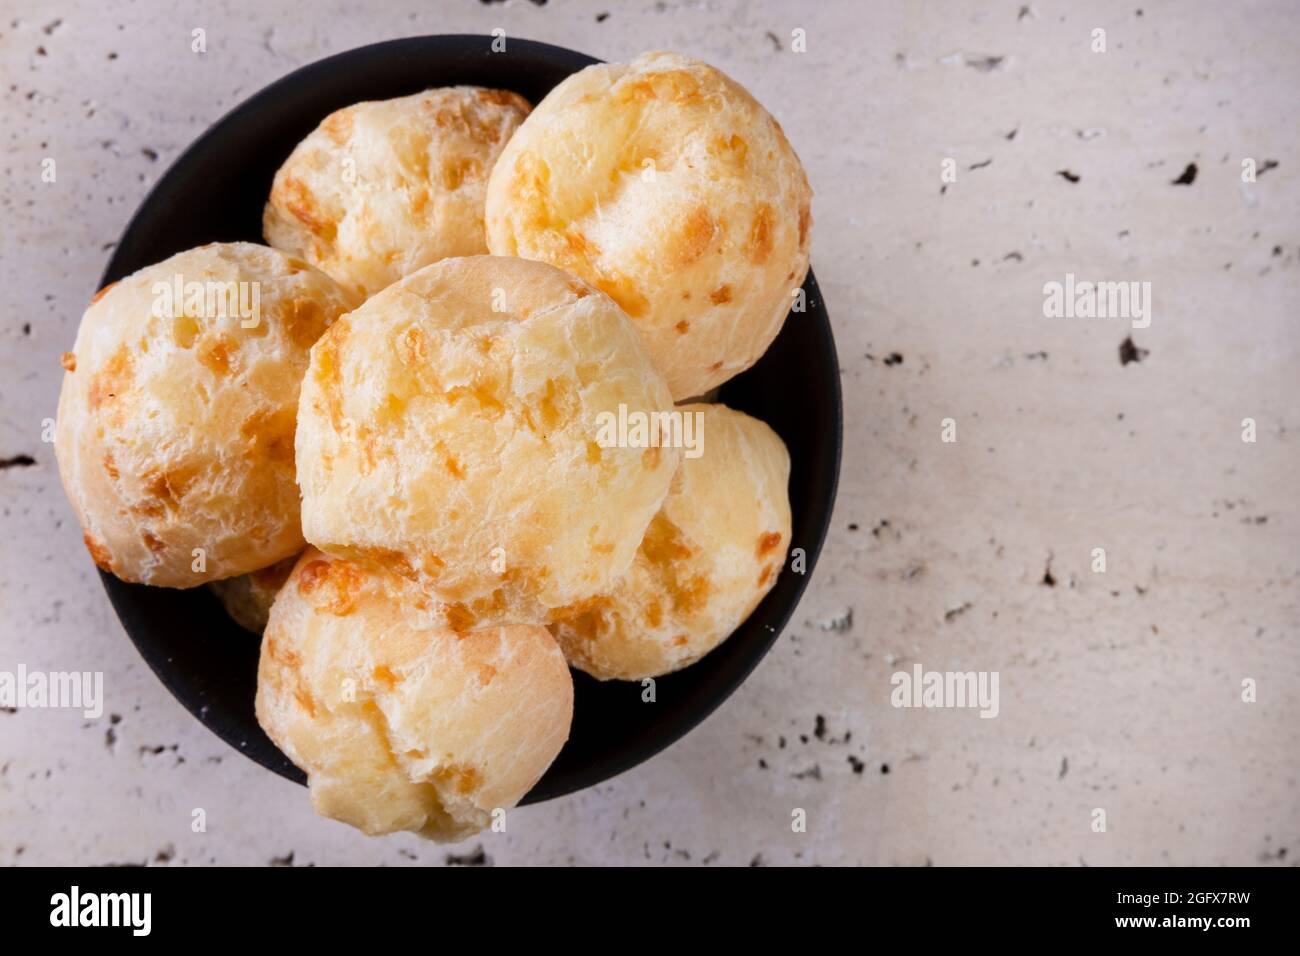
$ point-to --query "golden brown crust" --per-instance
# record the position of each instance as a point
(709, 556)
(381, 189)
(456, 445)
(665, 184)
(398, 726)
(175, 430)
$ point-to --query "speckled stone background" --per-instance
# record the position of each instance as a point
(1119, 690)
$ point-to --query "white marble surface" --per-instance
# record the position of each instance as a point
(1119, 691)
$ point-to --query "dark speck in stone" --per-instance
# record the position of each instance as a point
(1128, 352)
(985, 64)
(1048, 579)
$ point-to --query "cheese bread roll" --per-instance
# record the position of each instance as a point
(381, 189)
(665, 184)
(450, 431)
(176, 419)
(710, 555)
(400, 727)
(248, 597)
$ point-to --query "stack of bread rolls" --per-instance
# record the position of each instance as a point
(392, 465)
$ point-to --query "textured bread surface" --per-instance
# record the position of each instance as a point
(398, 726)
(247, 598)
(664, 183)
(175, 431)
(709, 556)
(448, 432)
(381, 189)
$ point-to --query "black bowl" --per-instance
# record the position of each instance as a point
(215, 193)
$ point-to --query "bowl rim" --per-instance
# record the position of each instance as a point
(120, 593)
